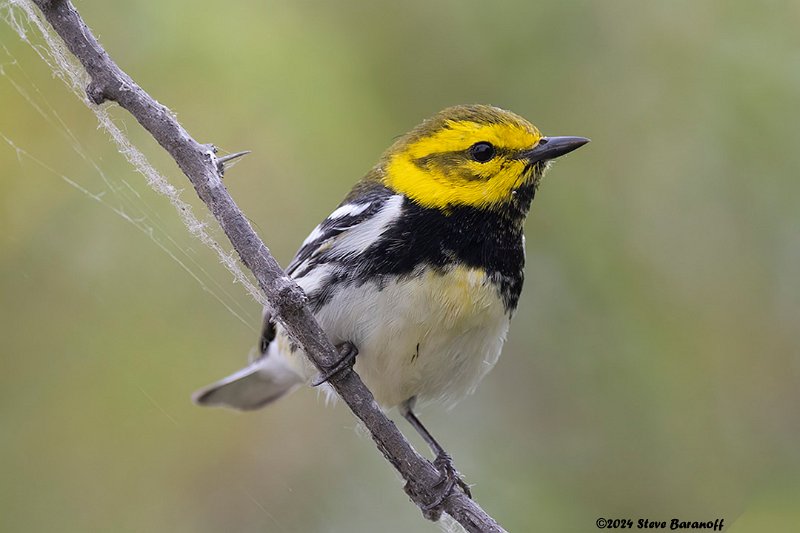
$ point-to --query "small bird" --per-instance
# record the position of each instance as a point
(418, 270)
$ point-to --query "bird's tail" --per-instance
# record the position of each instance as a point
(252, 387)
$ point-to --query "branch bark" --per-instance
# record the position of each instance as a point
(200, 165)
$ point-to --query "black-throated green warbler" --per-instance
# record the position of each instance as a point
(420, 267)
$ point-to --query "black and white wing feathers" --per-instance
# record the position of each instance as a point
(329, 251)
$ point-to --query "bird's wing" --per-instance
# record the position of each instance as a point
(343, 220)
(347, 232)
(335, 244)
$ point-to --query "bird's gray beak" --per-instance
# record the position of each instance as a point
(552, 147)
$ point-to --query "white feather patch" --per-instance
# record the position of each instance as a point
(359, 237)
(315, 278)
(315, 234)
(349, 210)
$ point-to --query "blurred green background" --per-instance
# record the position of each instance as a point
(651, 371)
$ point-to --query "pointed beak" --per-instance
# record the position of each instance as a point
(552, 147)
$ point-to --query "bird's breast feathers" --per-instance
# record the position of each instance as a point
(432, 334)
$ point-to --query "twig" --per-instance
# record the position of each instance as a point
(198, 162)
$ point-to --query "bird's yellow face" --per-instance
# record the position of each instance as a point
(465, 156)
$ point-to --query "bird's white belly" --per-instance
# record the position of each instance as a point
(430, 335)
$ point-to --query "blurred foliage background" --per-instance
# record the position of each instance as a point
(651, 371)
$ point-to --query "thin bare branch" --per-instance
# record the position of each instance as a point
(200, 164)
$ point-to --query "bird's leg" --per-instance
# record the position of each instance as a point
(347, 358)
(443, 461)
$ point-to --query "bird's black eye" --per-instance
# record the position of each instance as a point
(481, 152)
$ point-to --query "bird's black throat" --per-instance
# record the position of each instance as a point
(488, 239)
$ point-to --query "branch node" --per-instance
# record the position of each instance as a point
(224, 160)
(291, 297)
(96, 93)
(420, 494)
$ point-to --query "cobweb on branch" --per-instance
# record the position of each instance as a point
(26, 21)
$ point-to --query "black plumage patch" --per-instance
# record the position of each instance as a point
(477, 238)
(489, 239)
(267, 334)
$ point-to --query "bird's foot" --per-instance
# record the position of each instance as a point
(347, 358)
(444, 486)
(444, 463)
